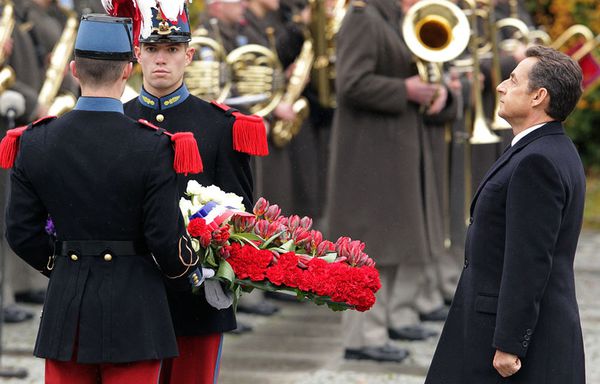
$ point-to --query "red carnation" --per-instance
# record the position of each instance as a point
(250, 263)
(197, 228)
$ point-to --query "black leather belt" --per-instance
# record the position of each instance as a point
(100, 247)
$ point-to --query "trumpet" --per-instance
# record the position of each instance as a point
(435, 31)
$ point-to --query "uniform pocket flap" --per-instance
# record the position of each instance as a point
(486, 304)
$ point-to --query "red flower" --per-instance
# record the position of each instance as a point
(221, 235)
(197, 228)
(260, 207)
(249, 263)
(314, 277)
(286, 271)
(272, 213)
(243, 223)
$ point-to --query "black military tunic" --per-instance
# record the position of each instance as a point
(223, 167)
(105, 177)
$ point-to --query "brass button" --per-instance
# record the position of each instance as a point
(160, 118)
(107, 257)
(74, 257)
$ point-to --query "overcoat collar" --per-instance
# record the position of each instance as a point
(551, 128)
(389, 11)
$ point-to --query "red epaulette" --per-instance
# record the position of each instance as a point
(249, 132)
(187, 156)
(9, 146)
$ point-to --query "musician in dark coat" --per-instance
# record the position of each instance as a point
(107, 182)
(377, 186)
(515, 314)
(165, 100)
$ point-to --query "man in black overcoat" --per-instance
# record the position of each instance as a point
(514, 317)
(107, 183)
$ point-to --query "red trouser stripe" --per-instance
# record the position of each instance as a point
(62, 372)
(197, 363)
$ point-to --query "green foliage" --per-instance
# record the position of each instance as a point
(583, 126)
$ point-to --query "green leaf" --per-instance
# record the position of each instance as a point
(270, 240)
(338, 307)
(248, 238)
(225, 272)
(288, 246)
(330, 257)
(209, 258)
(237, 292)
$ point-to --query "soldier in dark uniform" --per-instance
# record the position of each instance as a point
(108, 184)
(165, 99)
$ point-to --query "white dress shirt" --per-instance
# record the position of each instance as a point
(525, 132)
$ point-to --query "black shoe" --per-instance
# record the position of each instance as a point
(262, 308)
(14, 314)
(439, 314)
(411, 333)
(32, 297)
(241, 329)
(385, 353)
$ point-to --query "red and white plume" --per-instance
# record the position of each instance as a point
(140, 11)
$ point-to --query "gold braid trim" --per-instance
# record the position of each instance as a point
(50, 263)
(192, 262)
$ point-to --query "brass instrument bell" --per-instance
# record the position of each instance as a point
(435, 31)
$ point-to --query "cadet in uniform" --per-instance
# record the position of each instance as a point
(108, 184)
(164, 99)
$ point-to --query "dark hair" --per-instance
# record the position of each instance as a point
(98, 72)
(560, 75)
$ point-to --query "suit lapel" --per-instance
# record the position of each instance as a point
(552, 128)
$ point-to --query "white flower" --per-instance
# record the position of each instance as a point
(234, 201)
(187, 209)
(194, 188)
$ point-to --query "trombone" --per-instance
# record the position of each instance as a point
(581, 52)
(482, 134)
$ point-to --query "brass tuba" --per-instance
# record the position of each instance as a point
(7, 24)
(60, 56)
(284, 131)
(208, 75)
(435, 31)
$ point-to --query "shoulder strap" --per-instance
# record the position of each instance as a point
(249, 132)
(9, 146)
(187, 156)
